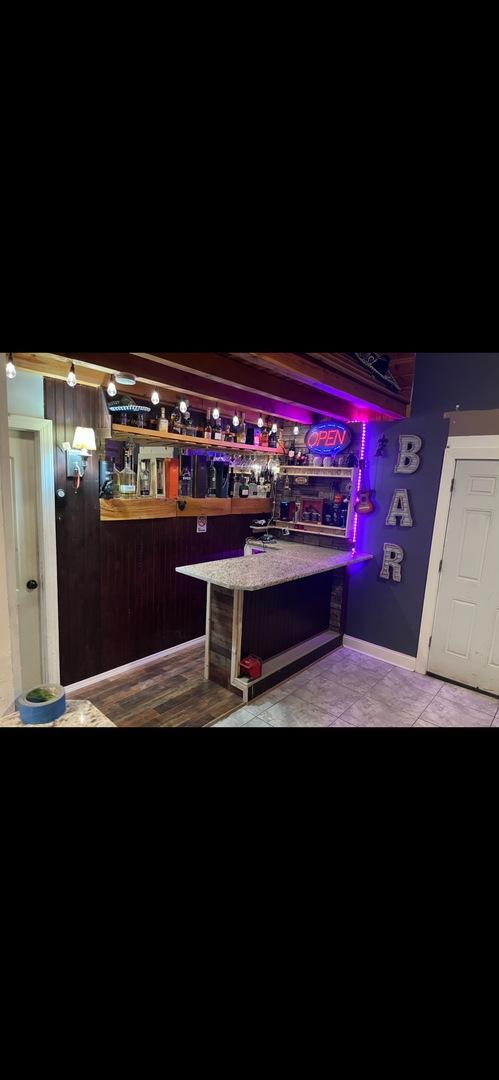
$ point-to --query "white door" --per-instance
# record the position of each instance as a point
(465, 639)
(24, 513)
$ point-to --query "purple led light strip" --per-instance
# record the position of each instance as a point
(359, 481)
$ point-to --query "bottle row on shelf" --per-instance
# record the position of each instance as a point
(190, 474)
(297, 457)
(331, 512)
(236, 430)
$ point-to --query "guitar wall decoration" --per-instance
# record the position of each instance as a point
(364, 504)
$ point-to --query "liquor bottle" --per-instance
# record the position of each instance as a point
(337, 511)
(241, 431)
(264, 436)
(160, 476)
(256, 436)
(127, 479)
(218, 433)
(250, 436)
(208, 431)
(292, 453)
(272, 439)
(212, 480)
(327, 513)
(228, 434)
(175, 422)
(162, 422)
(344, 512)
(231, 483)
(145, 479)
(243, 488)
(116, 481)
(186, 482)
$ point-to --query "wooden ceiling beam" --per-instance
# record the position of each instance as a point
(323, 377)
(226, 369)
(298, 391)
(219, 376)
(201, 392)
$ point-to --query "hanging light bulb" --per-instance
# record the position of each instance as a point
(10, 368)
(155, 397)
(296, 430)
(182, 406)
(274, 428)
(235, 420)
(71, 379)
(111, 387)
(260, 421)
(216, 412)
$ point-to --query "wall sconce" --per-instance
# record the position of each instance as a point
(83, 445)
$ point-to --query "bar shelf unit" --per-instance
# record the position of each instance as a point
(320, 474)
(312, 528)
(338, 473)
(122, 432)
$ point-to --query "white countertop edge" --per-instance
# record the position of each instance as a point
(215, 574)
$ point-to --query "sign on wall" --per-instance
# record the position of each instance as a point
(400, 510)
(408, 460)
(399, 514)
(329, 437)
(393, 556)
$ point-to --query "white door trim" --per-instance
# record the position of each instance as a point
(459, 448)
(49, 613)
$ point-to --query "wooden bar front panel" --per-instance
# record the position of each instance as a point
(220, 646)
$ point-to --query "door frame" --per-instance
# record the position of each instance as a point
(49, 611)
(459, 448)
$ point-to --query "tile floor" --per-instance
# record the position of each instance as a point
(349, 689)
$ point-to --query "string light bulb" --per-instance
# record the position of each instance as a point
(235, 420)
(260, 421)
(296, 430)
(155, 398)
(71, 379)
(111, 387)
(216, 412)
(10, 368)
(274, 428)
(182, 406)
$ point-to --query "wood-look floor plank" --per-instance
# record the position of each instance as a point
(171, 692)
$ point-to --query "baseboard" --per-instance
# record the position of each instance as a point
(134, 664)
(390, 656)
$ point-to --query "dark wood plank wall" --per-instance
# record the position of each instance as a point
(119, 596)
(276, 619)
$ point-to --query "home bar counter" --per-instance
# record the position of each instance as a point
(285, 605)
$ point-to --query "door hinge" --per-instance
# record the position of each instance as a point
(440, 567)
(430, 641)
(452, 484)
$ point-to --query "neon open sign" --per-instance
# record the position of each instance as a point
(330, 437)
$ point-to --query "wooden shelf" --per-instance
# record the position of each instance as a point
(145, 436)
(305, 470)
(311, 528)
(145, 509)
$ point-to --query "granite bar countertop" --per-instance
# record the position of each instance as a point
(78, 714)
(278, 563)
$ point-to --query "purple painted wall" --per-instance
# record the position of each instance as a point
(385, 612)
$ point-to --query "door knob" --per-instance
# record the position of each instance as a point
(31, 584)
